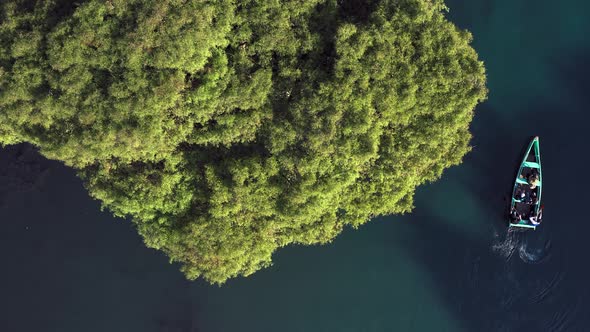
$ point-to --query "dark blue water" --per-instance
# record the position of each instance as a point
(448, 266)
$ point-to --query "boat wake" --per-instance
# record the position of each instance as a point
(529, 290)
(509, 244)
(547, 287)
(517, 241)
(533, 253)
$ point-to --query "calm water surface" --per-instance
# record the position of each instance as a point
(448, 266)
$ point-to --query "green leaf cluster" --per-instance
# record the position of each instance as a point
(230, 128)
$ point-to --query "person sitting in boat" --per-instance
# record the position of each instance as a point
(532, 198)
(536, 219)
(534, 179)
(514, 216)
(521, 196)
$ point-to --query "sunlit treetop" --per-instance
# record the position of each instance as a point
(228, 129)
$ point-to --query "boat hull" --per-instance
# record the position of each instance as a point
(525, 202)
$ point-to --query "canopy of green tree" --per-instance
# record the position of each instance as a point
(227, 129)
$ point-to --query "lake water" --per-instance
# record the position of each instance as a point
(448, 266)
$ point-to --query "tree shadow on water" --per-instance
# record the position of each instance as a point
(61, 256)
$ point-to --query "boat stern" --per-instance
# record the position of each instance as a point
(523, 224)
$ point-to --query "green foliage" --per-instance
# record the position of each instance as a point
(229, 129)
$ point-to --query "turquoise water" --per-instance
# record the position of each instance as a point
(448, 266)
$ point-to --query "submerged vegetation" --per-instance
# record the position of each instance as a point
(227, 129)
